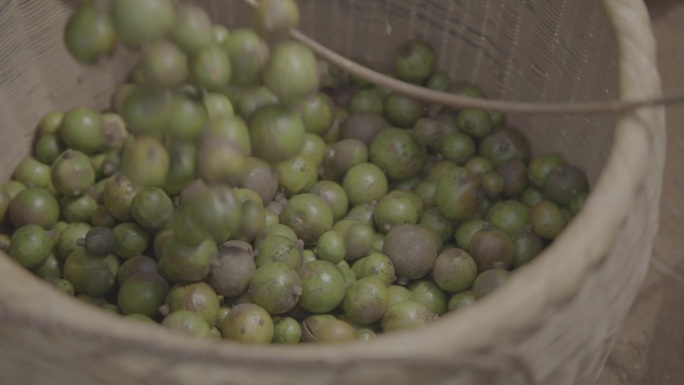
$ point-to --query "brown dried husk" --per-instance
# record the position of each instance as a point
(554, 322)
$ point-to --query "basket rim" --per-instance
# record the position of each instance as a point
(610, 200)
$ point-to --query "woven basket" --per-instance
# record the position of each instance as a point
(553, 323)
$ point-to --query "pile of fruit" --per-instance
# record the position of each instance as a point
(241, 188)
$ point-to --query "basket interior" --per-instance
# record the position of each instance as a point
(522, 50)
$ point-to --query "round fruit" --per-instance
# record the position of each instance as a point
(134, 22)
(397, 154)
(454, 270)
(193, 29)
(196, 297)
(415, 61)
(412, 250)
(90, 34)
(547, 220)
(99, 242)
(277, 133)
(30, 246)
(366, 301)
(286, 330)
(291, 71)
(403, 111)
(210, 68)
(458, 194)
(275, 287)
(248, 323)
(492, 249)
(475, 123)
(273, 17)
(34, 206)
(323, 287)
(163, 64)
(248, 54)
(187, 322)
(365, 183)
(152, 208)
(407, 315)
(72, 173)
(488, 281)
(429, 294)
(231, 274)
(82, 130)
(565, 183)
(142, 293)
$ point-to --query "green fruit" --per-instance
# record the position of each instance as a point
(219, 160)
(438, 81)
(50, 268)
(296, 175)
(180, 262)
(50, 122)
(430, 132)
(430, 295)
(62, 285)
(403, 111)
(540, 167)
(475, 123)
(565, 183)
(32, 173)
(142, 293)
(30, 246)
(399, 207)
(218, 106)
(102, 217)
(511, 216)
(134, 22)
(397, 153)
(82, 130)
(492, 249)
(89, 34)
(215, 211)
(365, 183)
(261, 178)
(366, 301)
(349, 276)
(140, 264)
(249, 324)
(317, 112)
(398, 294)
(48, 147)
(308, 215)
(72, 173)
(163, 64)
(277, 133)
(480, 165)
(458, 194)
(308, 256)
(67, 242)
(457, 147)
(359, 238)
(454, 270)
(131, 240)
(575, 206)
(330, 247)
(343, 155)
(278, 248)
(231, 274)
(415, 61)
(531, 196)
(148, 111)
(363, 213)
(412, 250)
(322, 285)
(274, 17)
(488, 281)
(196, 297)
(92, 276)
(187, 322)
(34, 206)
(152, 208)
(407, 315)
(275, 287)
(248, 54)
(249, 100)
(504, 144)
(367, 101)
(286, 330)
(291, 71)
(460, 301)
(547, 220)
(189, 117)
(435, 221)
(527, 246)
(118, 196)
(278, 229)
(375, 265)
(145, 162)
(335, 331)
(210, 68)
(466, 230)
(193, 29)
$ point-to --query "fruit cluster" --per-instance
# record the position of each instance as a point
(240, 187)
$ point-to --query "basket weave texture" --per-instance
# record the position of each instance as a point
(553, 323)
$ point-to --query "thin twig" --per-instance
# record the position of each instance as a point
(459, 101)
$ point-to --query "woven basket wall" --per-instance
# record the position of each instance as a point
(553, 323)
